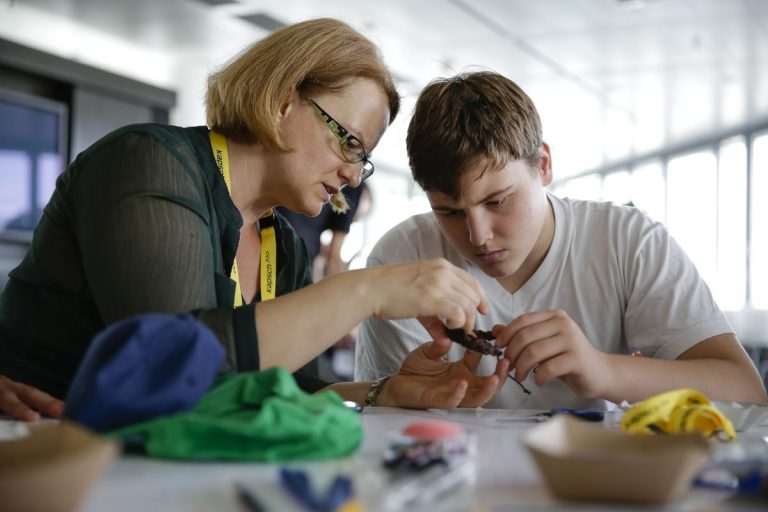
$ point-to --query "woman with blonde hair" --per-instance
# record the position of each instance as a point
(156, 218)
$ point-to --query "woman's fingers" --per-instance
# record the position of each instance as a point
(502, 371)
(453, 396)
(42, 401)
(25, 403)
(471, 298)
(471, 287)
(483, 390)
(472, 359)
(418, 393)
(436, 349)
(428, 288)
(435, 327)
(15, 408)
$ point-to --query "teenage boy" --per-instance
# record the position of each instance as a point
(578, 289)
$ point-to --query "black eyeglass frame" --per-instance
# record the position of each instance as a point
(344, 137)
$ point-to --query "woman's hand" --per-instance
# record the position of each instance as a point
(431, 289)
(330, 308)
(26, 403)
(426, 380)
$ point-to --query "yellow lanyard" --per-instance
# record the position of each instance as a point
(266, 225)
(674, 412)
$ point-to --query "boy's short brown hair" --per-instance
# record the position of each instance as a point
(471, 118)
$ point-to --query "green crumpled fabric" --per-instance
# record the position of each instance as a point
(256, 416)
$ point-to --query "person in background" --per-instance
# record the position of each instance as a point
(310, 229)
(575, 288)
(326, 261)
(156, 218)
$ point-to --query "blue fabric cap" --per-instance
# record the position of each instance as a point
(141, 368)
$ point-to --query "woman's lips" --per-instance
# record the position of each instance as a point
(331, 190)
(491, 256)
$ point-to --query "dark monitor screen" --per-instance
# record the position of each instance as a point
(33, 139)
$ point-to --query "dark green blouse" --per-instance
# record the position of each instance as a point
(140, 222)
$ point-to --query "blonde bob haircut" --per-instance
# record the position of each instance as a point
(317, 56)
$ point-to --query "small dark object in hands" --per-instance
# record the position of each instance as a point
(478, 341)
(483, 342)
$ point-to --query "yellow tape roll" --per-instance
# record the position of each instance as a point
(673, 412)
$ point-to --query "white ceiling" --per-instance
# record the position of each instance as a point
(611, 78)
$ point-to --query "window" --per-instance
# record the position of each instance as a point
(759, 233)
(400, 198)
(14, 184)
(712, 204)
(729, 286)
(692, 208)
(32, 154)
(617, 188)
(585, 187)
(649, 190)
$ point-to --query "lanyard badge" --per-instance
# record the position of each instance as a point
(268, 261)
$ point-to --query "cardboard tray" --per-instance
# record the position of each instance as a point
(582, 461)
(52, 468)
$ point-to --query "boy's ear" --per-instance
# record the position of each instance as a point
(545, 164)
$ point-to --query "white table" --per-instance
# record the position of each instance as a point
(506, 477)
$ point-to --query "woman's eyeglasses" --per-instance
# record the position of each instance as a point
(352, 149)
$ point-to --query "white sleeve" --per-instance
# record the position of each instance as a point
(669, 306)
(382, 345)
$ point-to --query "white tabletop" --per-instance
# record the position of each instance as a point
(505, 476)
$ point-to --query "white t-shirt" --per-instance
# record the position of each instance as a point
(618, 274)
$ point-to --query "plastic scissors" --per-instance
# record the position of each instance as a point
(340, 497)
(584, 414)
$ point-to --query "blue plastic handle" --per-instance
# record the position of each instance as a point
(584, 414)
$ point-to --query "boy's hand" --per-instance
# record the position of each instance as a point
(552, 346)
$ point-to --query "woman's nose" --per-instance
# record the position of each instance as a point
(350, 174)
